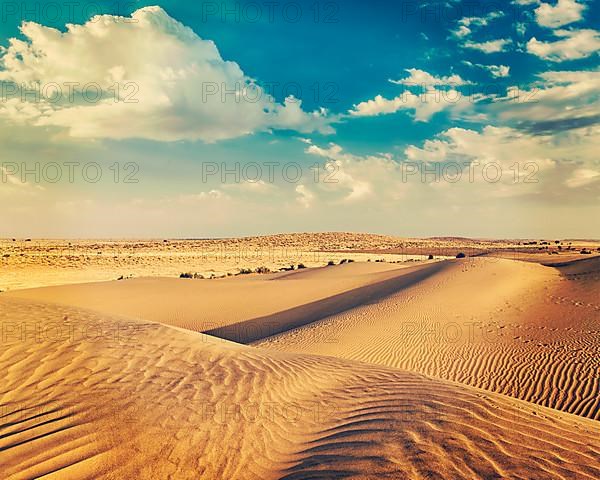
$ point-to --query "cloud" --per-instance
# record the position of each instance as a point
(465, 24)
(157, 80)
(492, 144)
(491, 46)
(422, 78)
(576, 44)
(305, 196)
(563, 13)
(558, 101)
(423, 106)
(532, 165)
(497, 71)
(582, 177)
(12, 184)
(357, 178)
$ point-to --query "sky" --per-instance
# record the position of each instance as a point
(218, 118)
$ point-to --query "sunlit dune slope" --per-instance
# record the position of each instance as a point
(517, 328)
(91, 396)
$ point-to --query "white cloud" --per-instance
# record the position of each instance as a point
(558, 101)
(424, 105)
(178, 85)
(501, 145)
(422, 78)
(305, 196)
(462, 31)
(541, 163)
(575, 44)
(465, 24)
(497, 71)
(357, 177)
(582, 177)
(563, 13)
(201, 197)
(491, 46)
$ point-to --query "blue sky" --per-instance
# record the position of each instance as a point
(390, 101)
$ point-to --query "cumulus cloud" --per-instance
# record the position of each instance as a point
(558, 101)
(582, 177)
(466, 24)
(530, 164)
(497, 71)
(357, 178)
(305, 196)
(501, 145)
(491, 46)
(157, 80)
(422, 78)
(423, 106)
(563, 13)
(575, 44)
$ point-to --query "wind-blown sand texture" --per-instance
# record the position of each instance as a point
(161, 402)
(482, 367)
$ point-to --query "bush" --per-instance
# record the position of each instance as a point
(263, 270)
(330, 263)
(585, 252)
(186, 275)
(430, 257)
(245, 271)
(301, 266)
(461, 255)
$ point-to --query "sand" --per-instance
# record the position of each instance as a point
(160, 402)
(44, 262)
(482, 367)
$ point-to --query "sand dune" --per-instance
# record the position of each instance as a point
(516, 328)
(263, 304)
(141, 400)
(511, 327)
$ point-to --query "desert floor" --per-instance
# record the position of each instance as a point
(411, 368)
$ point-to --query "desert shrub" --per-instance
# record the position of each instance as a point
(330, 263)
(345, 260)
(350, 260)
(461, 255)
(430, 257)
(585, 252)
(263, 270)
(245, 271)
(186, 275)
(301, 266)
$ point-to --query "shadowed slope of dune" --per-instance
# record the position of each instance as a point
(91, 396)
(205, 305)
